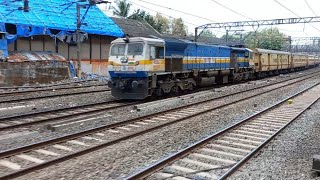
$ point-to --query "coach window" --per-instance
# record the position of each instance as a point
(156, 52)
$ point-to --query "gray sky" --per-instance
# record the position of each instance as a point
(253, 9)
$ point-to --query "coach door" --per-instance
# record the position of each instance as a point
(234, 61)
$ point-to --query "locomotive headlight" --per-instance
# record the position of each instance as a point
(134, 84)
(122, 84)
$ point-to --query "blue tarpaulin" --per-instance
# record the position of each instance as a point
(45, 15)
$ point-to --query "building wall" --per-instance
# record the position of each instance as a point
(21, 73)
(94, 51)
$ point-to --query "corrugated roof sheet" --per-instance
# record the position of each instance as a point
(22, 56)
(57, 14)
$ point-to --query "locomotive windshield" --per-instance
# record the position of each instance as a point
(135, 49)
(118, 50)
(131, 49)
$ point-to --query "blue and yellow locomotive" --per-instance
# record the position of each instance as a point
(143, 67)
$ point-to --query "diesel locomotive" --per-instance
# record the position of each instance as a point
(143, 67)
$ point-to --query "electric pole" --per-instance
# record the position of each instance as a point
(79, 23)
(290, 44)
(78, 39)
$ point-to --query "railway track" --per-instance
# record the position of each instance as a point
(25, 98)
(24, 120)
(37, 118)
(23, 92)
(221, 154)
(20, 161)
(44, 86)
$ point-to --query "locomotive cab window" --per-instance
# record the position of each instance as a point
(135, 49)
(118, 50)
(156, 52)
(248, 54)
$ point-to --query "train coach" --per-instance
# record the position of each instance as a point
(143, 67)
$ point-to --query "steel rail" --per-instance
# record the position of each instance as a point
(47, 89)
(98, 110)
(66, 113)
(45, 86)
(28, 148)
(186, 151)
(52, 95)
(44, 113)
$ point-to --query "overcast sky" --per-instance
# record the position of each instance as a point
(248, 9)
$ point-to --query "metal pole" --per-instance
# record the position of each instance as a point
(195, 34)
(227, 34)
(78, 40)
(255, 39)
(26, 6)
(290, 44)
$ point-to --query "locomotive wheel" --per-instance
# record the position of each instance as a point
(191, 87)
(158, 92)
(175, 90)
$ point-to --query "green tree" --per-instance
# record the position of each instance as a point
(122, 8)
(270, 38)
(208, 34)
(162, 24)
(139, 14)
(178, 27)
(231, 37)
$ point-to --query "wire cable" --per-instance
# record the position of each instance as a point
(310, 8)
(294, 14)
(162, 13)
(231, 10)
(286, 8)
(179, 11)
(196, 25)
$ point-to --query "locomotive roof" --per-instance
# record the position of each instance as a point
(183, 41)
(241, 49)
(137, 39)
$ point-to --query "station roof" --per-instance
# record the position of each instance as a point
(44, 15)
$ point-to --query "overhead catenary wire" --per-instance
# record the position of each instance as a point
(243, 15)
(176, 10)
(293, 13)
(144, 7)
(310, 8)
(161, 13)
(236, 12)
